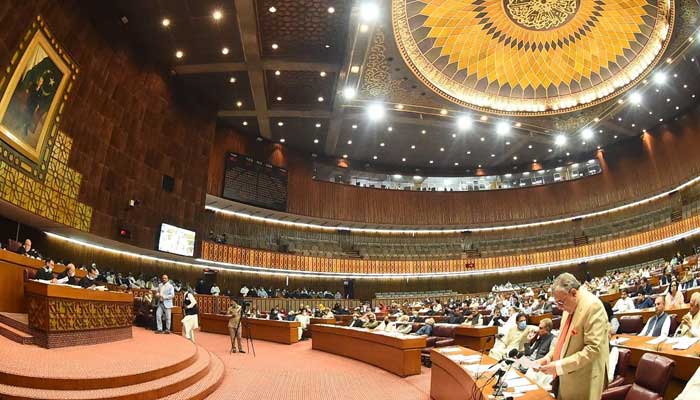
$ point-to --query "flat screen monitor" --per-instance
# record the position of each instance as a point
(176, 240)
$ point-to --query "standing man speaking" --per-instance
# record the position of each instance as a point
(581, 354)
(166, 293)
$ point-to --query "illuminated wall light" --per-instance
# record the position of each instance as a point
(349, 93)
(275, 46)
(502, 128)
(316, 141)
(331, 10)
(320, 99)
(179, 54)
(369, 11)
(381, 144)
(464, 123)
(560, 140)
(278, 73)
(282, 140)
(272, 9)
(232, 79)
(318, 125)
(224, 51)
(349, 141)
(355, 69)
(587, 134)
(660, 78)
(239, 104)
(245, 123)
(345, 156)
(443, 112)
(217, 15)
(165, 22)
(390, 129)
(636, 98)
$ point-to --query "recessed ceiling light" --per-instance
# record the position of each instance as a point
(423, 132)
(535, 160)
(568, 154)
(515, 157)
(165, 22)
(320, 99)
(529, 146)
(442, 149)
(364, 28)
(272, 9)
(245, 123)
(560, 140)
(224, 50)
(179, 54)
(239, 104)
(328, 46)
(507, 143)
(279, 98)
(587, 134)
(217, 14)
(315, 140)
(318, 124)
(502, 128)
(403, 159)
(482, 139)
(456, 164)
(549, 150)
(660, 78)
(399, 106)
(381, 144)
(443, 112)
(280, 123)
(390, 129)
(636, 98)
(375, 157)
(232, 79)
(413, 147)
(323, 74)
(375, 111)
(469, 152)
(278, 73)
(369, 11)
(331, 10)
(484, 118)
(454, 135)
(354, 127)
(349, 141)
(355, 69)
(349, 93)
(275, 46)
(282, 140)
(493, 155)
(479, 166)
(669, 60)
(464, 123)
(345, 156)
(431, 161)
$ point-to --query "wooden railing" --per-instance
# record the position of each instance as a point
(270, 259)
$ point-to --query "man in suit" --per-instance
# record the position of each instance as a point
(46, 273)
(644, 301)
(165, 295)
(542, 341)
(581, 353)
(660, 323)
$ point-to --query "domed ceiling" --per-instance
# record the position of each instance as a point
(531, 56)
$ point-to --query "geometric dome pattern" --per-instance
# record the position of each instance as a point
(531, 57)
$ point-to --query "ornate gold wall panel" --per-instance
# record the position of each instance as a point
(63, 315)
(531, 57)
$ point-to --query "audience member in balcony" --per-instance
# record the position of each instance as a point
(90, 280)
(68, 276)
(538, 343)
(624, 303)
(514, 339)
(26, 249)
(403, 325)
(690, 324)
(244, 291)
(327, 314)
(262, 293)
(338, 296)
(644, 301)
(200, 287)
(660, 324)
(190, 322)
(371, 321)
(427, 329)
(46, 272)
(140, 281)
(674, 297)
(215, 291)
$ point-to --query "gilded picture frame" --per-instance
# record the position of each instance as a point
(34, 90)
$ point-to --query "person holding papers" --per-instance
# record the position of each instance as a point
(660, 324)
(690, 324)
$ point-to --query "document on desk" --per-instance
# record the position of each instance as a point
(519, 381)
(657, 340)
(525, 389)
(476, 369)
(684, 343)
(461, 358)
(451, 349)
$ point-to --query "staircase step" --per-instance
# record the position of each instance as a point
(204, 387)
(150, 390)
(15, 335)
(17, 321)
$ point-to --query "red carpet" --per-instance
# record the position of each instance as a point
(297, 372)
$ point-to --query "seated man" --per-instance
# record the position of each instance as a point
(356, 322)
(68, 276)
(475, 318)
(90, 279)
(624, 303)
(304, 319)
(660, 323)
(371, 321)
(690, 324)
(403, 325)
(46, 273)
(539, 342)
(644, 301)
(514, 339)
(26, 249)
(427, 329)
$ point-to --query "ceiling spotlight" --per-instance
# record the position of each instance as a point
(320, 99)
(518, 124)
(369, 11)
(239, 104)
(403, 159)
(375, 157)
(331, 10)
(502, 128)
(323, 74)
(165, 22)
(275, 46)
(484, 118)
(364, 28)
(280, 123)
(636, 98)
(217, 15)
(660, 78)
(464, 123)
(443, 112)
(515, 157)
(423, 132)
(399, 106)
(355, 69)
(390, 129)
(272, 9)
(224, 50)
(345, 156)
(508, 143)
(179, 54)
(282, 140)
(354, 127)
(456, 164)
(316, 141)
(493, 155)
(278, 73)
(442, 149)
(232, 79)
(413, 147)
(279, 98)
(560, 140)
(381, 144)
(482, 139)
(245, 123)
(349, 141)
(318, 125)
(431, 161)
(587, 134)
(349, 93)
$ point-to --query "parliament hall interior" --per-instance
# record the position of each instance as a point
(349, 199)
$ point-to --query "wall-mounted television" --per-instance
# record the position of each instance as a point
(176, 240)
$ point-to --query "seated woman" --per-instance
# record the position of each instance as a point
(674, 297)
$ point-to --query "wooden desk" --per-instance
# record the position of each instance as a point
(398, 354)
(68, 316)
(477, 338)
(450, 381)
(688, 293)
(535, 319)
(286, 332)
(214, 323)
(610, 298)
(647, 313)
(687, 361)
(327, 321)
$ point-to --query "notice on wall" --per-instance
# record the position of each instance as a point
(254, 182)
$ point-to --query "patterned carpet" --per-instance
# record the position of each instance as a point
(297, 372)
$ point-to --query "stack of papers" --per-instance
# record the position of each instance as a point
(461, 358)
(476, 369)
(684, 343)
(450, 349)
